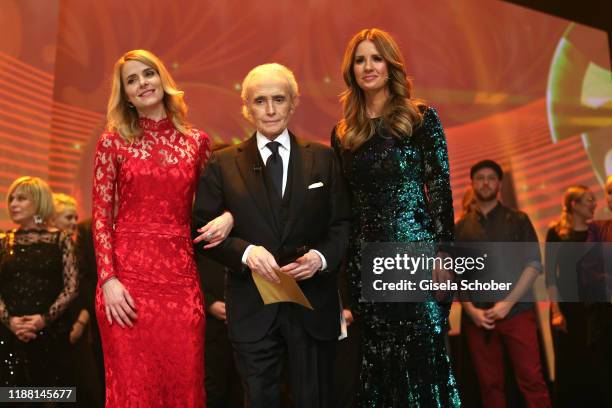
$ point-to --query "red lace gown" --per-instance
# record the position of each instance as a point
(142, 200)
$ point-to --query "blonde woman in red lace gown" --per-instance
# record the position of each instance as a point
(148, 302)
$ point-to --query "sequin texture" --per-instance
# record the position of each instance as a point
(401, 193)
(38, 275)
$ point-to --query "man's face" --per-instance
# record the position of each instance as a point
(486, 184)
(270, 104)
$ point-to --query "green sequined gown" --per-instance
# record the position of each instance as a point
(401, 193)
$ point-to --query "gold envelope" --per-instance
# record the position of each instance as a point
(285, 291)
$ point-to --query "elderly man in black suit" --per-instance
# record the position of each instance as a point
(291, 215)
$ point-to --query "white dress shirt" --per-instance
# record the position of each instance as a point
(284, 150)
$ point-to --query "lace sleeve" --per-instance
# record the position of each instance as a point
(103, 197)
(70, 277)
(437, 176)
(4, 313)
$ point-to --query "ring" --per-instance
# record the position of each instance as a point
(209, 235)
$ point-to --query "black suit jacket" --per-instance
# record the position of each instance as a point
(318, 218)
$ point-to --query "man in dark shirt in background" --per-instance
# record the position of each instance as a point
(509, 324)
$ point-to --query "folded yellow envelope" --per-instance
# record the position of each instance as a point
(285, 291)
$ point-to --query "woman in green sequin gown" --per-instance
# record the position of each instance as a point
(394, 157)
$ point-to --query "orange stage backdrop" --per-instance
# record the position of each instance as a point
(524, 88)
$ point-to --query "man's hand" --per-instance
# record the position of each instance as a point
(261, 262)
(118, 304)
(215, 231)
(217, 310)
(557, 320)
(499, 311)
(304, 267)
(480, 319)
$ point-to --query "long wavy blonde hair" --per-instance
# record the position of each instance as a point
(565, 225)
(401, 113)
(122, 118)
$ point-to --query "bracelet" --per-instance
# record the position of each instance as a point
(81, 323)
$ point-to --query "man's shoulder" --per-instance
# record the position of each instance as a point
(466, 222)
(510, 210)
(514, 213)
(320, 147)
(461, 221)
(520, 225)
(229, 152)
(313, 146)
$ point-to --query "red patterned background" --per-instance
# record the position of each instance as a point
(511, 84)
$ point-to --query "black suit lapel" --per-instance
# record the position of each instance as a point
(251, 169)
(301, 160)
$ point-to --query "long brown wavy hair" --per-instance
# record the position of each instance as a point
(573, 194)
(122, 118)
(401, 113)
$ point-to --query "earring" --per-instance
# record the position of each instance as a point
(38, 219)
(130, 105)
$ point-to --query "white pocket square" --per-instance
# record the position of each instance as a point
(315, 185)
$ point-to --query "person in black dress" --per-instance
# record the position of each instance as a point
(568, 316)
(38, 281)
